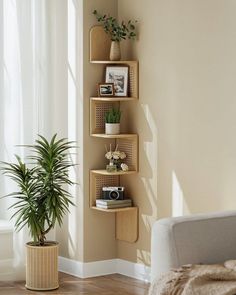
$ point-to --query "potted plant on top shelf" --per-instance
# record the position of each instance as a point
(112, 121)
(41, 202)
(117, 32)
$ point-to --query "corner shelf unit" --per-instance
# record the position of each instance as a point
(126, 218)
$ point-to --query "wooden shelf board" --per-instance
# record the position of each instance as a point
(113, 210)
(114, 98)
(104, 172)
(113, 61)
(122, 135)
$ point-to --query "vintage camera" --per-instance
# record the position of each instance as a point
(113, 192)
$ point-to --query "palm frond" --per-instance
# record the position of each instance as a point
(42, 199)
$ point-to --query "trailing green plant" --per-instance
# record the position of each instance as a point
(42, 199)
(113, 116)
(117, 31)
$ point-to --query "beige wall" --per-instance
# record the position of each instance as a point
(185, 117)
(88, 235)
(186, 113)
(85, 234)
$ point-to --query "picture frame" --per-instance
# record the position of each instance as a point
(106, 89)
(118, 75)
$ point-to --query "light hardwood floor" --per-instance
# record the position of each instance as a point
(69, 285)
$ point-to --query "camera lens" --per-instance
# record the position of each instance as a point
(114, 195)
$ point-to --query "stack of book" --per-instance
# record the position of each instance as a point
(113, 204)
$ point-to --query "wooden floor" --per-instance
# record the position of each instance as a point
(105, 285)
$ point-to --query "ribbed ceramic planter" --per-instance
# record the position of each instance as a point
(42, 266)
(113, 128)
(115, 53)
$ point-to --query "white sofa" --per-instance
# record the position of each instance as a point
(208, 238)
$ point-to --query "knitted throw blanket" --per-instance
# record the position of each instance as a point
(197, 280)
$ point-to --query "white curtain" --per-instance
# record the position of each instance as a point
(30, 84)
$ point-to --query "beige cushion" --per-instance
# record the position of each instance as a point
(208, 238)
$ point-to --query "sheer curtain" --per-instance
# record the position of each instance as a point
(28, 79)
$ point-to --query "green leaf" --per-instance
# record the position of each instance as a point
(42, 200)
(116, 31)
(113, 116)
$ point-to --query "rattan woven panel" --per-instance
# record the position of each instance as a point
(133, 79)
(129, 146)
(98, 110)
(100, 44)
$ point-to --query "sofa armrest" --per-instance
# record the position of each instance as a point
(203, 238)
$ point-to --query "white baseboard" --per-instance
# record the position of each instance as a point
(105, 267)
(6, 265)
(99, 268)
(6, 270)
(134, 270)
(71, 267)
(5, 277)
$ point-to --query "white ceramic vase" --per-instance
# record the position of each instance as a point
(115, 53)
(112, 128)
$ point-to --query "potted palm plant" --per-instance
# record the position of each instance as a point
(40, 202)
(112, 121)
(117, 32)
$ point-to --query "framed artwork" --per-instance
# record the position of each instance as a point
(106, 89)
(119, 77)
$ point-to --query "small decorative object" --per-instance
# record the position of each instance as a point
(113, 193)
(118, 76)
(115, 52)
(117, 32)
(111, 167)
(124, 167)
(112, 121)
(115, 158)
(40, 202)
(106, 89)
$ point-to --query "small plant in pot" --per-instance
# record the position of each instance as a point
(41, 202)
(117, 32)
(112, 121)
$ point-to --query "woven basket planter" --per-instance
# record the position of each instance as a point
(42, 266)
